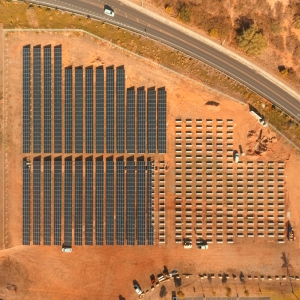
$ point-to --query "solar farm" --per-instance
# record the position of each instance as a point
(99, 142)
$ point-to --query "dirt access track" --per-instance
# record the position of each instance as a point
(107, 272)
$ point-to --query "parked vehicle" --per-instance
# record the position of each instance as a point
(174, 273)
(66, 249)
(160, 277)
(137, 289)
(152, 279)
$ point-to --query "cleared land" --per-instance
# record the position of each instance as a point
(106, 272)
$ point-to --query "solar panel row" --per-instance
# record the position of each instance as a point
(26, 203)
(36, 200)
(99, 201)
(110, 110)
(57, 200)
(89, 111)
(78, 201)
(57, 99)
(99, 110)
(68, 202)
(162, 121)
(120, 202)
(89, 201)
(120, 121)
(47, 201)
(130, 121)
(141, 121)
(130, 203)
(37, 99)
(151, 121)
(26, 99)
(47, 99)
(110, 227)
(68, 111)
(140, 203)
(79, 110)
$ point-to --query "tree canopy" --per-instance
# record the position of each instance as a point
(252, 41)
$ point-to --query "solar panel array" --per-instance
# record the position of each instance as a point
(111, 201)
(26, 99)
(37, 99)
(47, 99)
(68, 111)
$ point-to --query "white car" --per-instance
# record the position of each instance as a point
(109, 12)
(137, 289)
(66, 249)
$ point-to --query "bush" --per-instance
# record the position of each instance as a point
(284, 73)
(297, 21)
(252, 41)
(184, 13)
(228, 291)
(180, 295)
(169, 9)
(214, 33)
(247, 293)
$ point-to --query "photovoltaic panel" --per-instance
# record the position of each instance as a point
(26, 99)
(47, 201)
(89, 201)
(89, 110)
(47, 99)
(151, 121)
(37, 99)
(57, 100)
(120, 110)
(110, 202)
(120, 202)
(162, 121)
(26, 203)
(57, 200)
(99, 110)
(36, 200)
(99, 201)
(78, 201)
(110, 112)
(68, 203)
(140, 192)
(130, 203)
(68, 110)
(141, 121)
(130, 120)
(79, 110)
(149, 199)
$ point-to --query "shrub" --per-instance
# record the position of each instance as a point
(247, 293)
(278, 42)
(252, 41)
(284, 73)
(214, 33)
(169, 9)
(228, 291)
(180, 295)
(184, 13)
(297, 21)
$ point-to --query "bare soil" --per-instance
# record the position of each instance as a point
(95, 272)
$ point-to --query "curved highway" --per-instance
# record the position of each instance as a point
(127, 17)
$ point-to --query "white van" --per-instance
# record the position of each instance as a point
(66, 249)
(109, 12)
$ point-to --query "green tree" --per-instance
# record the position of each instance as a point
(163, 292)
(252, 41)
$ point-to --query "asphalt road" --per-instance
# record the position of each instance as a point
(128, 17)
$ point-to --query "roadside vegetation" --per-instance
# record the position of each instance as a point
(23, 15)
